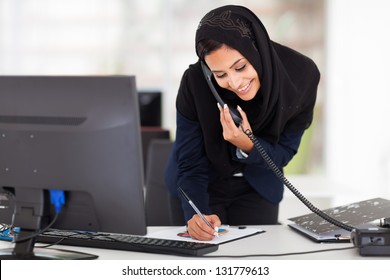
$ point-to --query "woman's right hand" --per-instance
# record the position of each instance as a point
(199, 230)
(233, 133)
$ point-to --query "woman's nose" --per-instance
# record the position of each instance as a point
(234, 81)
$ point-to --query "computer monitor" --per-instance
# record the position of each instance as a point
(76, 134)
(150, 103)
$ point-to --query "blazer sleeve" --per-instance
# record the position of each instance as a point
(260, 175)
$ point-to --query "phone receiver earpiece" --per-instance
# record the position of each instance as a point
(236, 116)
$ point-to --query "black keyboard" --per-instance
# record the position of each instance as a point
(126, 242)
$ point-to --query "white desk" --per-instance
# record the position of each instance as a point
(276, 239)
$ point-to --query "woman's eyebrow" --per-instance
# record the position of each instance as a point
(237, 61)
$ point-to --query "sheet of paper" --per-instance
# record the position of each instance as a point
(226, 234)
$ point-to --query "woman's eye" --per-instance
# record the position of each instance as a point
(241, 68)
(219, 76)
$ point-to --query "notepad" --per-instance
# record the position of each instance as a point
(232, 233)
(354, 214)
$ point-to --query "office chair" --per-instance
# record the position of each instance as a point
(162, 209)
(149, 133)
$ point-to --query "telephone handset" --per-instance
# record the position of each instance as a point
(236, 116)
(237, 120)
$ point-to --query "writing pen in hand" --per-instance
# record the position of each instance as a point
(196, 209)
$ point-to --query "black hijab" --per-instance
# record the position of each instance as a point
(284, 102)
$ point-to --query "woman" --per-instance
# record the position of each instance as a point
(274, 89)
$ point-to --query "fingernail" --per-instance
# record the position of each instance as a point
(219, 106)
(216, 231)
(239, 108)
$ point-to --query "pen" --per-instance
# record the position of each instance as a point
(196, 209)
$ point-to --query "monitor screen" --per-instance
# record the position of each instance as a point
(150, 103)
(74, 135)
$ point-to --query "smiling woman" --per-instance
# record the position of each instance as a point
(273, 87)
(234, 72)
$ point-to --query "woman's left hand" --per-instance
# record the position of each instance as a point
(234, 134)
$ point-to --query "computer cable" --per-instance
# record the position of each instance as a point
(278, 254)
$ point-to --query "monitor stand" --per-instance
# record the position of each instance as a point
(30, 216)
(46, 254)
(26, 250)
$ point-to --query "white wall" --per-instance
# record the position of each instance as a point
(357, 145)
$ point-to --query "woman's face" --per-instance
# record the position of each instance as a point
(233, 71)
